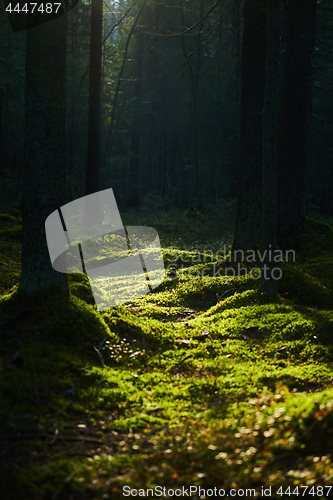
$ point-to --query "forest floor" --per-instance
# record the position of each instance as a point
(201, 384)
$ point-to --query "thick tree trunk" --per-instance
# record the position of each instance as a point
(248, 218)
(295, 117)
(44, 179)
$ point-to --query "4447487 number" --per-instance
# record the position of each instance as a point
(31, 7)
(305, 490)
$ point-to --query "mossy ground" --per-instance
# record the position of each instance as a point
(202, 383)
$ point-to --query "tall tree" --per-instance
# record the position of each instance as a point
(320, 179)
(248, 217)
(296, 102)
(134, 164)
(270, 142)
(195, 73)
(2, 155)
(110, 139)
(95, 83)
(45, 162)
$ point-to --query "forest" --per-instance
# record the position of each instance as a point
(166, 249)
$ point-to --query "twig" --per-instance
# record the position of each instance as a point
(99, 355)
(229, 290)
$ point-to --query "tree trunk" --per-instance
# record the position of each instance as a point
(109, 140)
(95, 82)
(193, 135)
(270, 140)
(296, 102)
(248, 217)
(134, 166)
(2, 143)
(44, 178)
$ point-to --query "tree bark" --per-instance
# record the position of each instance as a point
(44, 178)
(248, 217)
(296, 101)
(95, 84)
(270, 139)
(134, 165)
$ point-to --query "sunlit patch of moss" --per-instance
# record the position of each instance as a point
(236, 300)
(194, 290)
(162, 313)
(278, 322)
(79, 286)
(184, 258)
(147, 332)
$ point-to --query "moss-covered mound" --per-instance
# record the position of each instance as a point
(51, 318)
(201, 383)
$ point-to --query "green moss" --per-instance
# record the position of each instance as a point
(42, 482)
(11, 234)
(321, 268)
(53, 317)
(79, 286)
(7, 220)
(202, 382)
(304, 288)
(316, 239)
